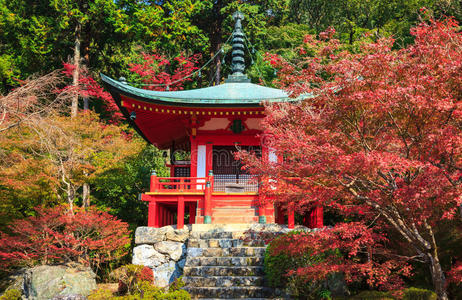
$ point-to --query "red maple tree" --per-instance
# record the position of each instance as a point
(88, 87)
(159, 73)
(378, 139)
(55, 235)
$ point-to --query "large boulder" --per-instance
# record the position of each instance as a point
(146, 255)
(165, 274)
(152, 235)
(49, 282)
(178, 235)
(174, 250)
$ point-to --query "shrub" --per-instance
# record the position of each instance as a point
(100, 294)
(373, 295)
(146, 274)
(176, 285)
(407, 294)
(277, 264)
(142, 290)
(12, 294)
(418, 294)
(280, 265)
(177, 295)
(57, 236)
(129, 276)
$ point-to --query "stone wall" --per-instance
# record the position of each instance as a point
(163, 250)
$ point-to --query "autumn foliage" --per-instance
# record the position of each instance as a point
(55, 235)
(157, 72)
(377, 139)
(88, 87)
(344, 249)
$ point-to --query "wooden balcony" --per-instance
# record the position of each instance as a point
(172, 198)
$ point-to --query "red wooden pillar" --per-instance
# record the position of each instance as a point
(210, 179)
(279, 215)
(262, 209)
(192, 213)
(209, 158)
(165, 223)
(208, 204)
(180, 213)
(160, 216)
(316, 218)
(291, 217)
(193, 169)
(153, 215)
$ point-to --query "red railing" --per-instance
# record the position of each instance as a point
(181, 185)
(178, 184)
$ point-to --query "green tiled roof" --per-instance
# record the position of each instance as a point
(233, 93)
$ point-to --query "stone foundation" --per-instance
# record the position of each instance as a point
(165, 250)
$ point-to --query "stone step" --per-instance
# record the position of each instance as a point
(225, 243)
(207, 235)
(224, 261)
(223, 271)
(204, 235)
(230, 292)
(223, 281)
(225, 252)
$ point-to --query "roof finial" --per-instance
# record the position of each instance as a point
(238, 62)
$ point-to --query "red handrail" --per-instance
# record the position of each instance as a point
(177, 184)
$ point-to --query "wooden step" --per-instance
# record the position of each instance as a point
(233, 211)
(234, 219)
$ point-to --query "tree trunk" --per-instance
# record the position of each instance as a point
(75, 75)
(70, 197)
(218, 66)
(86, 195)
(438, 278)
(216, 38)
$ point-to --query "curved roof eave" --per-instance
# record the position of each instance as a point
(227, 94)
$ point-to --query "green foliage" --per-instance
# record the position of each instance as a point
(413, 293)
(373, 295)
(352, 18)
(277, 269)
(119, 186)
(12, 294)
(285, 39)
(38, 38)
(100, 294)
(144, 290)
(177, 295)
(176, 285)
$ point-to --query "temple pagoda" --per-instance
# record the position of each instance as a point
(211, 124)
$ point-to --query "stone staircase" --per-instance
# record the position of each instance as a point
(223, 265)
